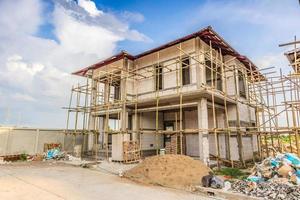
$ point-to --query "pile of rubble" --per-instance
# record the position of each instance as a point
(273, 178)
(52, 151)
(267, 190)
(285, 166)
(55, 153)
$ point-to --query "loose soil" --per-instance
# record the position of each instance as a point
(176, 171)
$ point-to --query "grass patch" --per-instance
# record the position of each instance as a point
(23, 157)
(231, 172)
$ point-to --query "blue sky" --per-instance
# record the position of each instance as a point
(167, 20)
(43, 41)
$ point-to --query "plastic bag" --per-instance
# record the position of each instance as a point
(293, 159)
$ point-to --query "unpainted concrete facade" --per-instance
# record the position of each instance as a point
(149, 99)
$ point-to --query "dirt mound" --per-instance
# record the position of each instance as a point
(175, 171)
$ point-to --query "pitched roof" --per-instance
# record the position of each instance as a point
(102, 63)
(206, 34)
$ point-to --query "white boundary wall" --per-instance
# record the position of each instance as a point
(31, 140)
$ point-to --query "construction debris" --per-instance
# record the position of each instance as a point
(282, 166)
(10, 158)
(274, 178)
(48, 146)
(176, 171)
(213, 182)
(267, 190)
(54, 153)
(38, 157)
(2, 161)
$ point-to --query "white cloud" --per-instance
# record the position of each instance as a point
(274, 14)
(254, 28)
(276, 60)
(78, 37)
(16, 65)
(23, 97)
(90, 7)
(133, 16)
(34, 71)
(14, 13)
(271, 60)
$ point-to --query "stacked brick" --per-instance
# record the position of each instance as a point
(173, 146)
(131, 152)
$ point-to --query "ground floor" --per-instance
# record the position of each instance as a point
(197, 128)
(53, 181)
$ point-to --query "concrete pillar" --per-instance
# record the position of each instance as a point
(37, 141)
(123, 89)
(203, 134)
(7, 141)
(106, 92)
(124, 120)
(135, 126)
(92, 118)
(101, 130)
(105, 121)
(200, 68)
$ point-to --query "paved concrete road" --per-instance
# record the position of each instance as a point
(43, 181)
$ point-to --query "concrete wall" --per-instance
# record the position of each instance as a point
(248, 144)
(149, 120)
(148, 139)
(246, 113)
(166, 57)
(190, 119)
(220, 116)
(31, 141)
(192, 140)
(192, 145)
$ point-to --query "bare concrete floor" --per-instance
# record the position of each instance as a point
(45, 181)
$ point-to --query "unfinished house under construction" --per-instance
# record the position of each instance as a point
(195, 96)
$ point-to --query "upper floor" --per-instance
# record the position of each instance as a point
(194, 64)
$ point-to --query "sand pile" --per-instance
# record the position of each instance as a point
(175, 171)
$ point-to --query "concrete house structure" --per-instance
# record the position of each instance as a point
(190, 96)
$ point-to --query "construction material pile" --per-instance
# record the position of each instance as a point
(274, 178)
(131, 151)
(52, 151)
(8, 159)
(176, 171)
(285, 166)
(267, 190)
